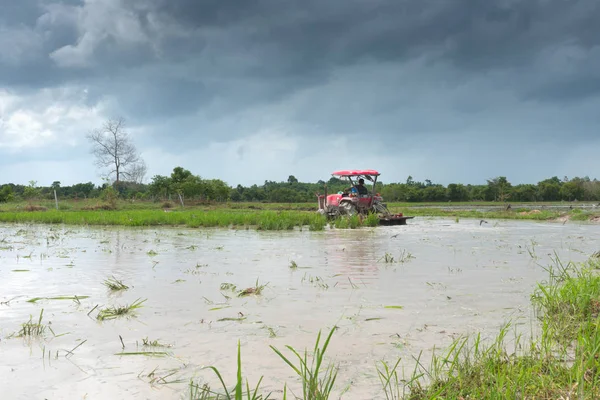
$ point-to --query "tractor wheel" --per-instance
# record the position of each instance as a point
(348, 208)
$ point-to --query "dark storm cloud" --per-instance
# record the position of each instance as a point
(283, 39)
(432, 71)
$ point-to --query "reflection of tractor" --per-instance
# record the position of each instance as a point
(357, 199)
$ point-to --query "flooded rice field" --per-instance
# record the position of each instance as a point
(391, 291)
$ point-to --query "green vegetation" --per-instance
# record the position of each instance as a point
(255, 290)
(204, 392)
(264, 219)
(31, 328)
(113, 284)
(119, 311)
(562, 362)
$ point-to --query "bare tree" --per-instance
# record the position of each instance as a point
(113, 149)
(137, 173)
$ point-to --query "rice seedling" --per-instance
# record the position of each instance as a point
(119, 311)
(352, 285)
(162, 379)
(234, 319)
(293, 265)
(316, 281)
(31, 328)
(113, 284)
(153, 343)
(405, 256)
(388, 376)
(272, 333)
(204, 392)
(228, 287)
(255, 290)
(317, 379)
(387, 258)
(144, 353)
(74, 298)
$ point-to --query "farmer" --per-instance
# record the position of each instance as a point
(362, 190)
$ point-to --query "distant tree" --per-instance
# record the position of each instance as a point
(31, 191)
(292, 179)
(498, 189)
(160, 186)
(572, 190)
(179, 175)
(6, 193)
(56, 186)
(457, 192)
(549, 189)
(113, 149)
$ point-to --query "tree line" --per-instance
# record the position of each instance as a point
(183, 186)
(124, 174)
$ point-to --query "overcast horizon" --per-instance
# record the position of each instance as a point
(452, 91)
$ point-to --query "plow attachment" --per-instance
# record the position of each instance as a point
(393, 220)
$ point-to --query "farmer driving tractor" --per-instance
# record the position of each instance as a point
(360, 187)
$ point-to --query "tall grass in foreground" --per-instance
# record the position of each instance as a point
(562, 362)
(317, 379)
(204, 392)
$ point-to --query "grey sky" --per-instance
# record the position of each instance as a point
(247, 91)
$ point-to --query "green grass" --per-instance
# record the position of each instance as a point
(204, 392)
(119, 311)
(262, 220)
(317, 378)
(254, 290)
(262, 216)
(31, 328)
(114, 285)
(74, 298)
(562, 362)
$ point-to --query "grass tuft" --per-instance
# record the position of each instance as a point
(31, 328)
(562, 362)
(255, 290)
(113, 284)
(317, 380)
(119, 311)
(238, 392)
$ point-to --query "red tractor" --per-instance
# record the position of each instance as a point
(357, 199)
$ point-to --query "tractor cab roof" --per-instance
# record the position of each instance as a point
(355, 172)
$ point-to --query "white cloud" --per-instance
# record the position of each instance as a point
(49, 117)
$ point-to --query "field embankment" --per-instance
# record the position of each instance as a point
(267, 216)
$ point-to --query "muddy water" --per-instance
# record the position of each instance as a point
(450, 279)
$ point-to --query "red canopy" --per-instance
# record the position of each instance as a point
(356, 172)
